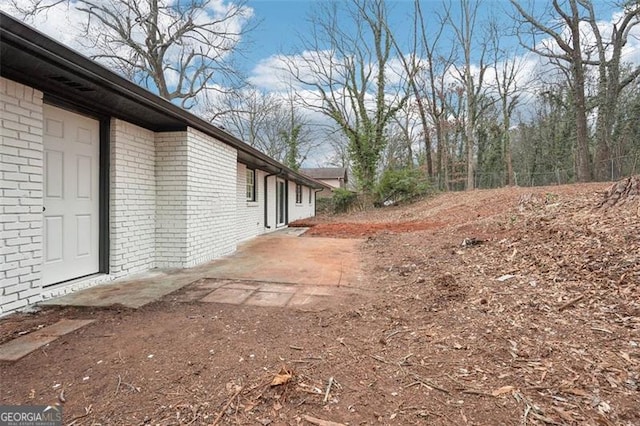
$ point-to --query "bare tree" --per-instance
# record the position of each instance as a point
(412, 67)
(466, 33)
(507, 68)
(346, 64)
(435, 86)
(180, 49)
(271, 122)
(294, 134)
(566, 48)
(611, 79)
(404, 131)
(340, 148)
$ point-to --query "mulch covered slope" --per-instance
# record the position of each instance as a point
(532, 314)
(522, 306)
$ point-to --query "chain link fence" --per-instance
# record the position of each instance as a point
(616, 169)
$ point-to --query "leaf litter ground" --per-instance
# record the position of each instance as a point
(512, 306)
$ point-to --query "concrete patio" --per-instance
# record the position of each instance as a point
(277, 269)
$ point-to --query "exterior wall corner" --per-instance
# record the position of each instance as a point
(21, 168)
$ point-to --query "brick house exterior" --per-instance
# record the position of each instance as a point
(164, 188)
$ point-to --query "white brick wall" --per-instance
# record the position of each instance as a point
(132, 199)
(211, 199)
(21, 157)
(249, 215)
(296, 211)
(271, 203)
(171, 199)
(75, 285)
(176, 200)
(302, 210)
(196, 199)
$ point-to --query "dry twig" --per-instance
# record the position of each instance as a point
(571, 303)
(87, 411)
(430, 384)
(326, 393)
(320, 422)
(226, 406)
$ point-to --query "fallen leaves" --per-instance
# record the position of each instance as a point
(459, 345)
(284, 376)
(553, 302)
(503, 390)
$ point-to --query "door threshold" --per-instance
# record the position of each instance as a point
(75, 284)
(73, 280)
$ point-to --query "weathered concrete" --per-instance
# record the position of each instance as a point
(132, 293)
(268, 298)
(278, 263)
(257, 293)
(228, 295)
(278, 259)
(24, 345)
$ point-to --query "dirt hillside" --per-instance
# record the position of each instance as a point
(512, 306)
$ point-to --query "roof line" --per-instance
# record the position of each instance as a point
(38, 43)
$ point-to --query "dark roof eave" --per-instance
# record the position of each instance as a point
(38, 44)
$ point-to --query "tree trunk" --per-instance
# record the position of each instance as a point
(470, 165)
(427, 139)
(583, 168)
(439, 155)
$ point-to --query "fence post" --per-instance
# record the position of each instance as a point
(612, 178)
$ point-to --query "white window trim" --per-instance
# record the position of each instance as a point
(298, 203)
(253, 199)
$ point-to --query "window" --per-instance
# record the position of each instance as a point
(251, 185)
(298, 193)
(310, 192)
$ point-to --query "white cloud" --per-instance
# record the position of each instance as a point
(66, 22)
(271, 74)
(58, 22)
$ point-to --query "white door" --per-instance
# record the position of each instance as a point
(281, 203)
(71, 204)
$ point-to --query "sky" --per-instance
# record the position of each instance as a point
(279, 24)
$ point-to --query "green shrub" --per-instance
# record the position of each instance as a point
(397, 185)
(324, 205)
(343, 200)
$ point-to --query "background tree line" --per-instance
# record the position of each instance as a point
(464, 101)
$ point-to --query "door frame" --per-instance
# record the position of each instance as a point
(103, 177)
(282, 202)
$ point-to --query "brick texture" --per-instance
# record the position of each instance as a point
(249, 215)
(132, 213)
(211, 198)
(196, 199)
(21, 153)
(171, 199)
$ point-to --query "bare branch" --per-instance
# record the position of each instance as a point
(178, 48)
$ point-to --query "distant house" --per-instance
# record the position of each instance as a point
(335, 177)
(102, 178)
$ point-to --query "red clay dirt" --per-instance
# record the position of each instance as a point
(359, 230)
(534, 320)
